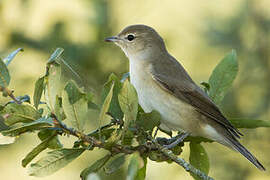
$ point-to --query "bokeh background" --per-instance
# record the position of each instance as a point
(197, 32)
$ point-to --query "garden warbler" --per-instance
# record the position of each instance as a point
(162, 84)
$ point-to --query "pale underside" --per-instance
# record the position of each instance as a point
(163, 85)
(176, 114)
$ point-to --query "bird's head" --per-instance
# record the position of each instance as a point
(138, 40)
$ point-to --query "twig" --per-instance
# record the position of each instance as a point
(76, 133)
(188, 167)
(153, 145)
(115, 149)
(101, 128)
(10, 94)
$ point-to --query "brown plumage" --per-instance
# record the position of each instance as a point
(163, 85)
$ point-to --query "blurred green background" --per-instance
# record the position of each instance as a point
(197, 32)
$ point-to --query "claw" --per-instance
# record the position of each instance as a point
(174, 141)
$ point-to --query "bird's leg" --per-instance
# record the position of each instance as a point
(174, 141)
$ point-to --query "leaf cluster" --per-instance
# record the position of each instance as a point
(63, 109)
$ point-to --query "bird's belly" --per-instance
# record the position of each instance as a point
(176, 115)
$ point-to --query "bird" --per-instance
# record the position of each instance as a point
(163, 85)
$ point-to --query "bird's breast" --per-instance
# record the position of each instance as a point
(174, 112)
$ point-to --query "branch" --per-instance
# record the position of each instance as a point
(188, 167)
(80, 135)
(153, 145)
(10, 94)
(115, 149)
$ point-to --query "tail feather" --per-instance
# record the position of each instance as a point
(235, 144)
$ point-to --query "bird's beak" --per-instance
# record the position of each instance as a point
(112, 39)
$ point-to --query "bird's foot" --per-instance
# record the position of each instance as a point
(174, 141)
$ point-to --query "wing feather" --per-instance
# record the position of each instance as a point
(187, 91)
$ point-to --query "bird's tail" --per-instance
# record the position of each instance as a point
(235, 144)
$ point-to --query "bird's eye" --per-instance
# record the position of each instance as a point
(130, 37)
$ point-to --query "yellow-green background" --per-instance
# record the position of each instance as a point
(197, 32)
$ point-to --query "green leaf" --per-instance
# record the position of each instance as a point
(206, 87)
(133, 168)
(54, 161)
(1, 107)
(39, 87)
(148, 120)
(128, 101)
(53, 84)
(135, 165)
(91, 104)
(114, 108)
(35, 125)
(95, 167)
(105, 106)
(54, 143)
(38, 149)
(249, 123)
(115, 163)
(127, 137)
(4, 75)
(5, 139)
(113, 139)
(104, 133)
(55, 55)
(74, 92)
(3, 126)
(222, 77)
(75, 105)
(14, 113)
(142, 171)
(198, 158)
(11, 56)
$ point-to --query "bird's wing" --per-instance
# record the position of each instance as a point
(187, 91)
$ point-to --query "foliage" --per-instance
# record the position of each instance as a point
(129, 135)
(222, 77)
(198, 157)
(227, 33)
